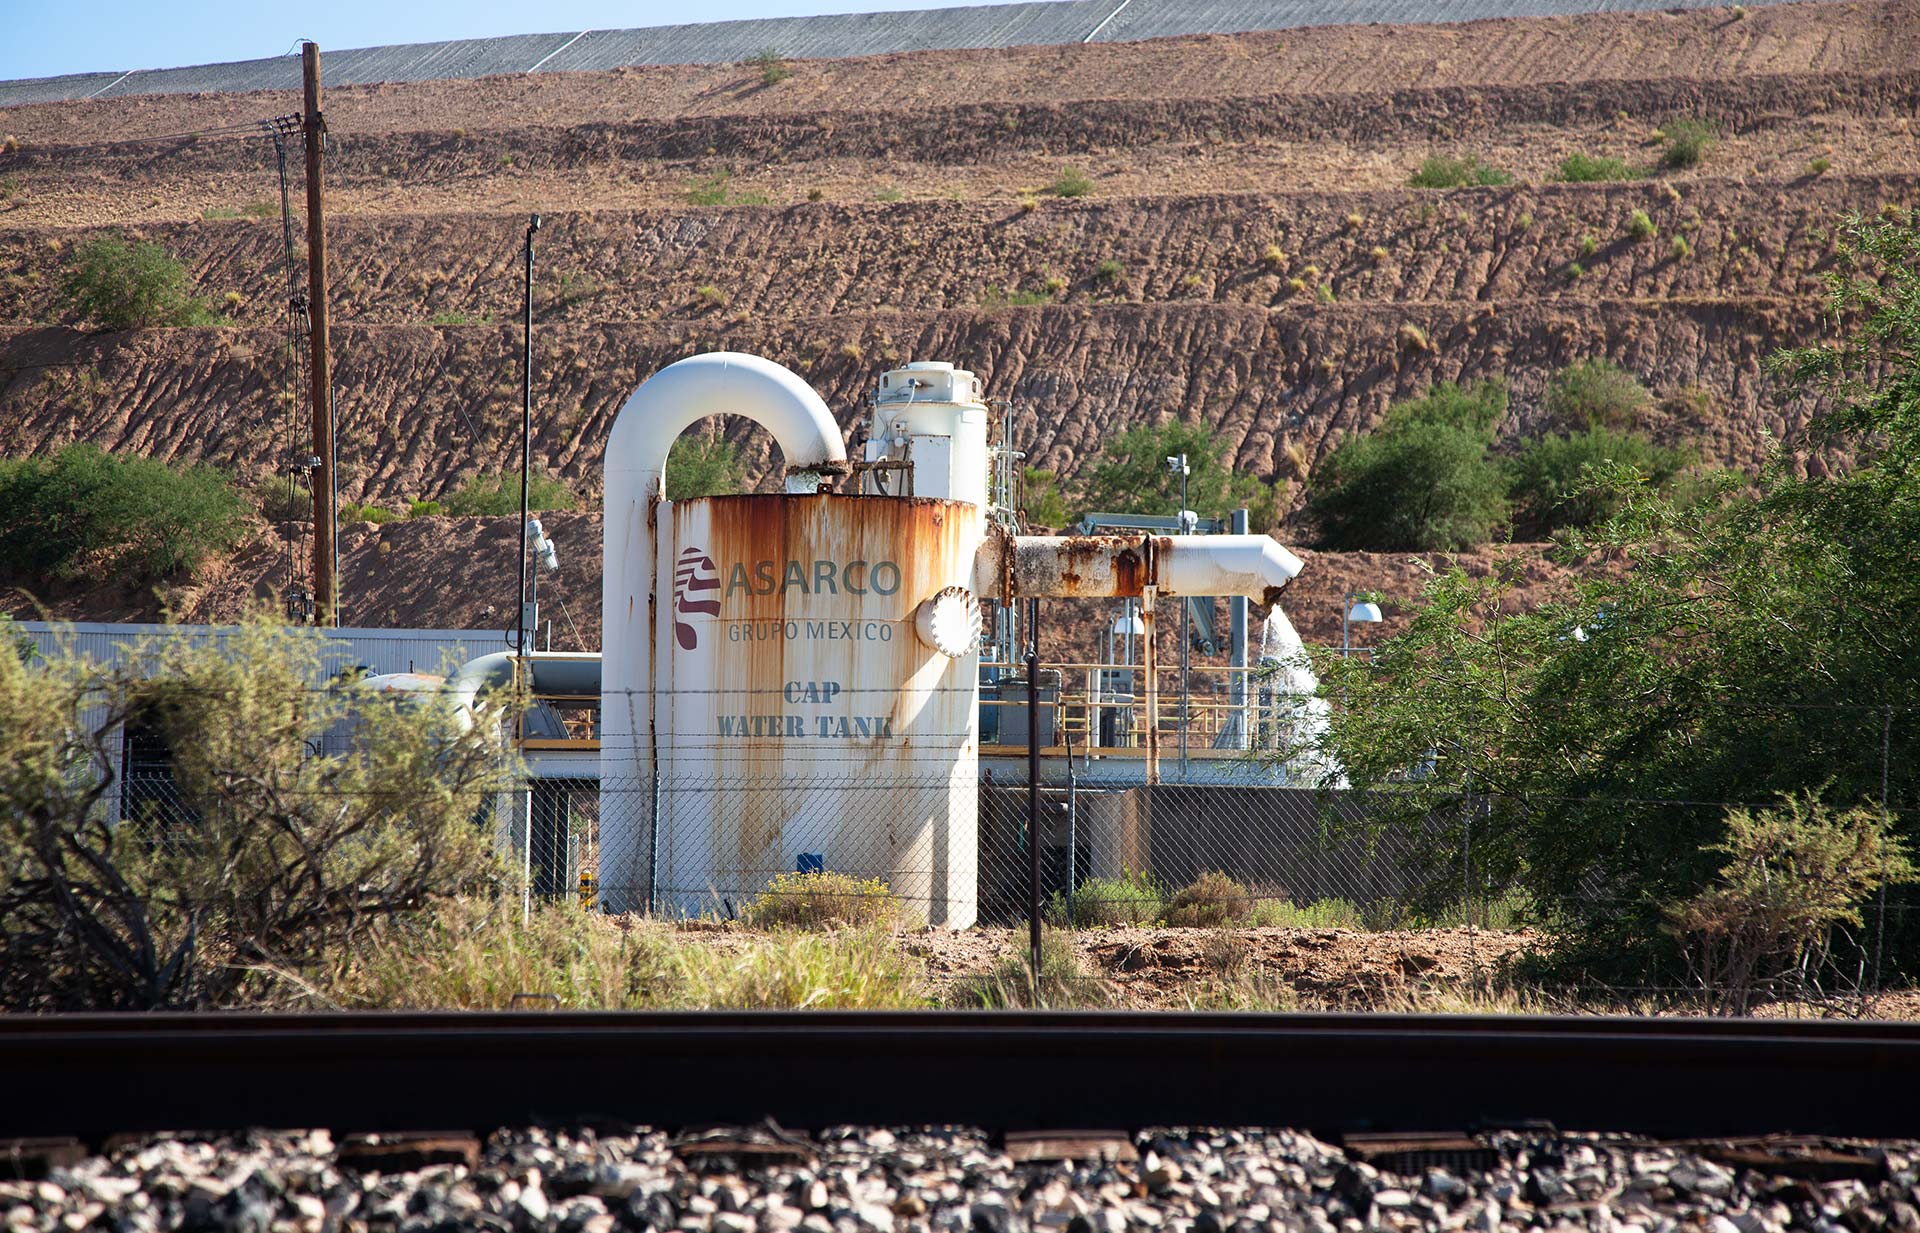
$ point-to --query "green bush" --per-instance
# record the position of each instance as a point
(1283, 913)
(1793, 876)
(1212, 900)
(1588, 169)
(1423, 481)
(423, 509)
(1130, 477)
(1595, 393)
(498, 495)
(353, 511)
(1553, 487)
(1130, 899)
(703, 467)
(1043, 502)
(823, 900)
(84, 511)
(285, 499)
(772, 65)
(996, 296)
(1688, 141)
(1071, 182)
(122, 286)
(1108, 270)
(1448, 171)
(1640, 226)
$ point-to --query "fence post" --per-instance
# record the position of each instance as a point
(653, 842)
(1880, 915)
(1033, 791)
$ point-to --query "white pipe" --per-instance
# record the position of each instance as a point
(666, 404)
(1117, 566)
(1255, 566)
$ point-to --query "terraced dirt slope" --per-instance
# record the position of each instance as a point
(1248, 253)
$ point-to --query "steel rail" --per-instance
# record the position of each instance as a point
(97, 1075)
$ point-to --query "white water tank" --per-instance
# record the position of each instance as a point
(930, 424)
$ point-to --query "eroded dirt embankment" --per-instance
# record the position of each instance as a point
(1874, 36)
(1738, 239)
(458, 573)
(423, 407)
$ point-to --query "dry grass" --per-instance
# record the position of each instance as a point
(825, 900)
(474, 954)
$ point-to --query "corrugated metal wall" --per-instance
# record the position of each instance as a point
(827, 37)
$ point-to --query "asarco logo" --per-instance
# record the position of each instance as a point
(695, 573)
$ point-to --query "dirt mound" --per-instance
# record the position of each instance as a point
(1703, 43)
(422, 407)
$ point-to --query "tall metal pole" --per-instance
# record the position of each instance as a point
(1186, 663)
(525, 618)
(326, 512)
(1033, 790)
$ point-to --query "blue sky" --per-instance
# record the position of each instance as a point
(45, 38)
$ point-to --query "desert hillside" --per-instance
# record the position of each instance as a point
(1247, 251)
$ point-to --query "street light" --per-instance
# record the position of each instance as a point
(1364, 612)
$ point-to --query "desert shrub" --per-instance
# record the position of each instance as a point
(284, 498)
(1575, 271)
(1130, 899)
(1211, 900)
(1680, 249)
(122, 285)
(1589, 245)
(1641, 227)
(1688, 141)
(424, 509)
(1109, 270)
(1450, 171)
(1071, 182)
(710, 296)
(497, 495)
(1590, 169)
(772, 65)
(87, 511)
(1819, 166)
(1792, 876)
(1042, 500)
(354, 511)
(1554, 478)
(1063, 983)
(822, 901)
(1422, 481)
(713, 191)
(275, 859)
(1273, 257)
(1595, 393)
(1130, 476)
(996, 296)
(1283, 913)
(700, 466)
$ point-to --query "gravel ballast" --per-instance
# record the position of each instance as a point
(957, 1180)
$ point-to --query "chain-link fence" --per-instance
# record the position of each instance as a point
(959, 848)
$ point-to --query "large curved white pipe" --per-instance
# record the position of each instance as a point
(665, 405)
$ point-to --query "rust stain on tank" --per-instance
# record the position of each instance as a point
(788, 567)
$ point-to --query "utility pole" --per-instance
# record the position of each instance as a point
(326, 557)
(527, 619)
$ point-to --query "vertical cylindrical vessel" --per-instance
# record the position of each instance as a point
(807, 722)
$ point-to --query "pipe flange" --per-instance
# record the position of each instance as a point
(949, 621)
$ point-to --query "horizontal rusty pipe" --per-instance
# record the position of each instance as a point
(1117, 566)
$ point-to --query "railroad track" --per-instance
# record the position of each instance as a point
(92, 1076)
